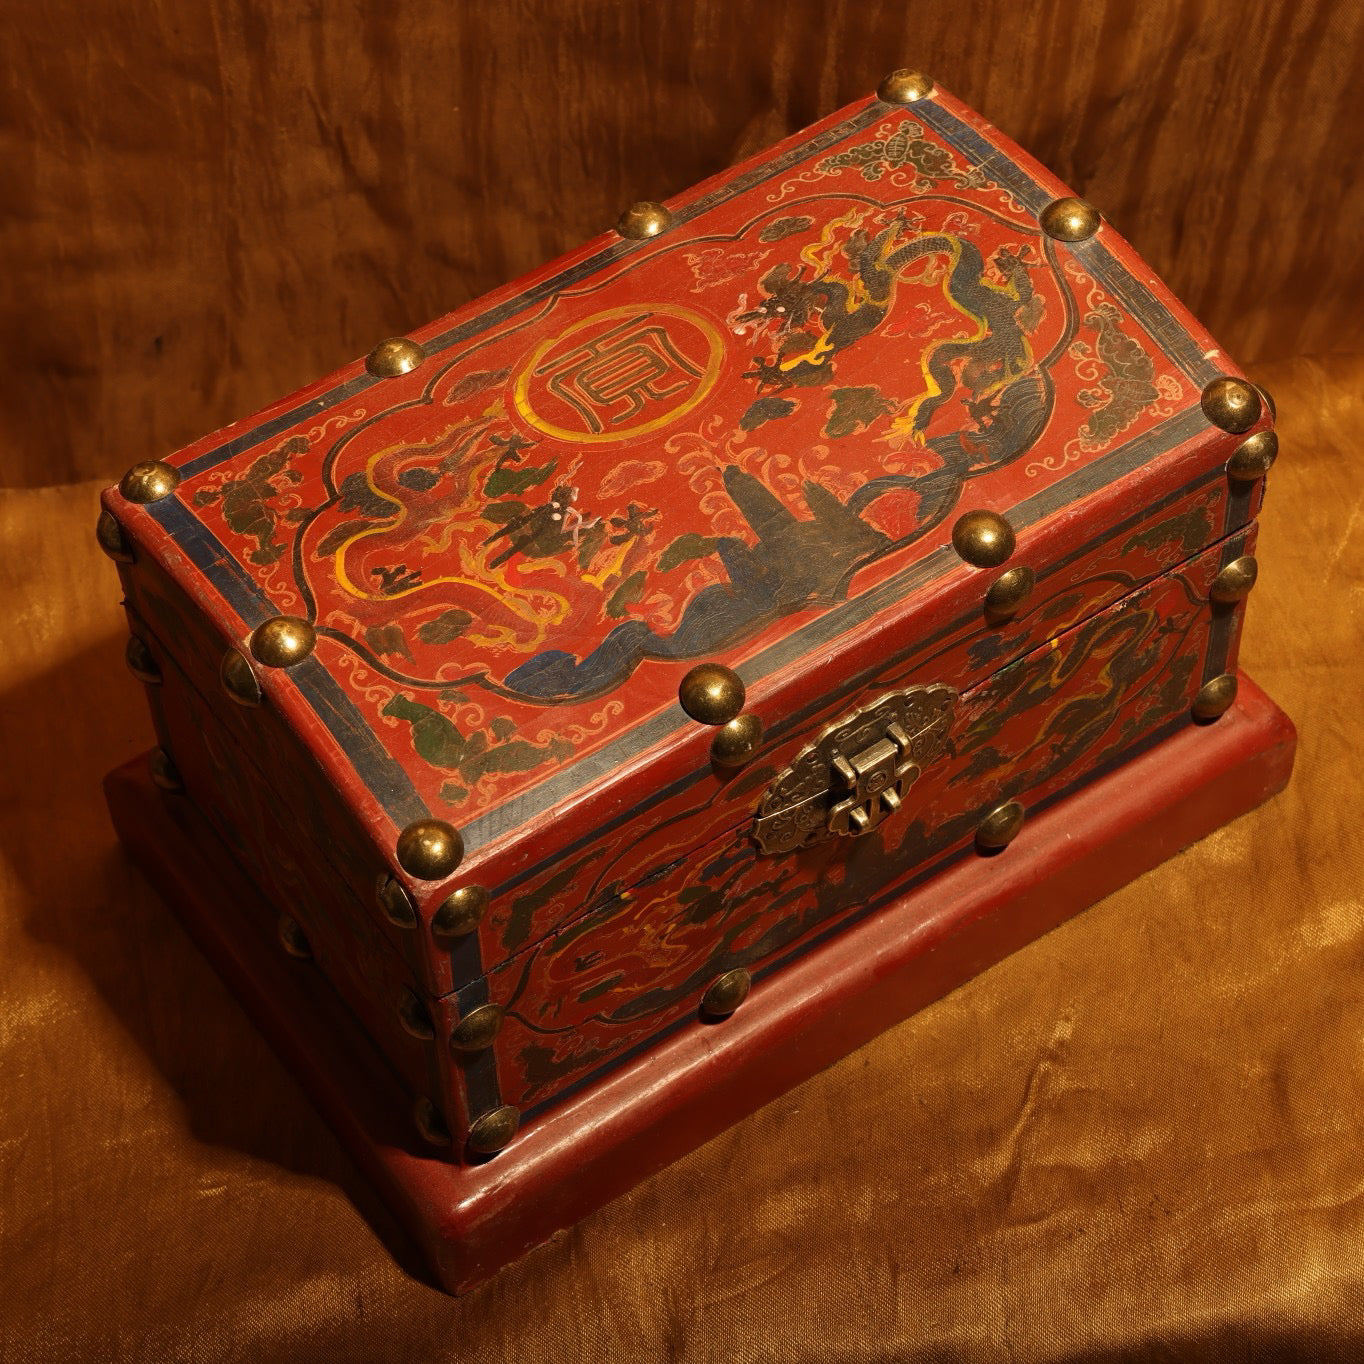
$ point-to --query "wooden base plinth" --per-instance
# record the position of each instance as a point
(471, 1220)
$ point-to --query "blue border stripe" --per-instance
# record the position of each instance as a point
(276, 426)
(382, 774)
(982, 152)
(380, 771)
(209, 555)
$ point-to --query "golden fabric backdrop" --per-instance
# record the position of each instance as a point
(1136, 1140)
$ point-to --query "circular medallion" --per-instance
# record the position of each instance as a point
(619, 374)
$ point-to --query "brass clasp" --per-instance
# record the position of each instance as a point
(857, 772)
(876, 780)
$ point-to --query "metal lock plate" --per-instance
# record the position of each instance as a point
(857, 772)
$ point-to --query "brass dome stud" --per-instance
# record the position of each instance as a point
(983, 538)
(1009, 592)
(712, 694)
(477, 1029)
(459, 914)
(1232, 404)
(1214, 698)
(396, 904)
(1235, 580)
(1268, 399)
(239, 679)
(415, 1018)
(1254, 457)
(394, 356)
(725, 993)
(292, 938)
(1000, 826)
(491, 1132)
(111, 540)
(429, 1123)
(1069, 219)
(644, 219)
(904, 86)
(283, 641)
(164, 772)
(141, 662)
(735, 743)
(430, 849)
(149, 481)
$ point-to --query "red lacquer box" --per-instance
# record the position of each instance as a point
(610, 703)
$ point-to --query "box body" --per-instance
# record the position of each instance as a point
(947, 499)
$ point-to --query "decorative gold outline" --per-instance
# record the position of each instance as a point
(521, 392)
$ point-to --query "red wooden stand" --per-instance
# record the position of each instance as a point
(471, 1220)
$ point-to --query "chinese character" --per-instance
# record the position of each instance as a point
(626, 368)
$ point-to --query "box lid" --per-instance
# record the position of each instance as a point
(771, 425)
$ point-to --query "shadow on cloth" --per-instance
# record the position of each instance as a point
(81, 893)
